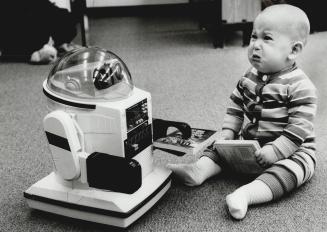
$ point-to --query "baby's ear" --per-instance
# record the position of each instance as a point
(296, 49)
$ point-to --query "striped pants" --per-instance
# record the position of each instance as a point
(284, 175)
(288, 174)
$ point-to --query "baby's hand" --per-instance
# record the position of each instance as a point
(266, 156)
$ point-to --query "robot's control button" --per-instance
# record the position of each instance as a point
(264, 77)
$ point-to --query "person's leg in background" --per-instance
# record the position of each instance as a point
(23, 33)
(63, 28)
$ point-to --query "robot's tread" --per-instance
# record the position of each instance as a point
(97, 210)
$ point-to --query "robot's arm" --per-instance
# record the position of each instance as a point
(160, 129)
(66, 143)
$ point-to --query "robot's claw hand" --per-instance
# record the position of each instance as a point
(101, 76)
(107, 75)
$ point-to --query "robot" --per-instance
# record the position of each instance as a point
(100, 132)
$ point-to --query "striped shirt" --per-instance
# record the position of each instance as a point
(277, 109)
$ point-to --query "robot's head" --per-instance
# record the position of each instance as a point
(88, 75)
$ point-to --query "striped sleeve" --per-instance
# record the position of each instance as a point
(234, 116)
(302, 108)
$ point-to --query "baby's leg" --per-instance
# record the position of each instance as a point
(195, 173)
(278, 180)
(255, 192)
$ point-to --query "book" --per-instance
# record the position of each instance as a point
(239, 155)
(174, 143)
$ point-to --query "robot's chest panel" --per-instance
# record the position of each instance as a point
(137, 114)
(139, 129)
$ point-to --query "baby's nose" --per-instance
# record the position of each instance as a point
(257, 44)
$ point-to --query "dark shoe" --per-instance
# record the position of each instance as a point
(67, 47)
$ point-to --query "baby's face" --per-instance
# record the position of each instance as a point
(270, 46)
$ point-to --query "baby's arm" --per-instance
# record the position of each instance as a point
(234, 115)
(302, 105)
(227, 134)
(233, 118)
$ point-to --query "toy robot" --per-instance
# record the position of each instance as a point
(100, 134)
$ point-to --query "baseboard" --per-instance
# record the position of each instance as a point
(113, 3)
(183, 9)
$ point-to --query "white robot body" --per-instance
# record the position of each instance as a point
(101, 149)
(108, 122)
(113, 128)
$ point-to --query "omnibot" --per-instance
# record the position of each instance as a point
(100, 134)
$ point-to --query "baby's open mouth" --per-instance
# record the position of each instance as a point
(255, 57)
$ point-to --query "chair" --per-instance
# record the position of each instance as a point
(219, 16)
(235, 15)
(79, 8)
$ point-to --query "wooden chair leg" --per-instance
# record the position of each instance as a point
(247, 31)
(219, 36)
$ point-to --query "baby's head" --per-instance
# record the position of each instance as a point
(279, 35)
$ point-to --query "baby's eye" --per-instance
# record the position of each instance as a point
(254, 36)
(267, 37)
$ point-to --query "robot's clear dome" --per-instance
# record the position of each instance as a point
(90, 74)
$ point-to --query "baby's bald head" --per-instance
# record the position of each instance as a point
(288, 19)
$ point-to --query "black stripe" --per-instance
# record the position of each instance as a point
(57, 141)
(62, 101)
(298, 162)
(283, 119)
(290, 172)
(275, 173)
(293, 138)
(274, 97)
(258, 89)
(236, 100)
(249, 116)
(273, 104)
(239, 88)
(237, 113)
(306, 101)
(97, 210)
(309, 140)
(247, 93)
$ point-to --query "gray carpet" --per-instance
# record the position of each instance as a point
(189, 81)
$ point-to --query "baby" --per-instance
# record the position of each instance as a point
(273, 103)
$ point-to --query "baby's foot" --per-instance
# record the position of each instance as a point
(237, 204)
(190, 174)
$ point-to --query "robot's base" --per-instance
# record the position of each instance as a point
(105, 207)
